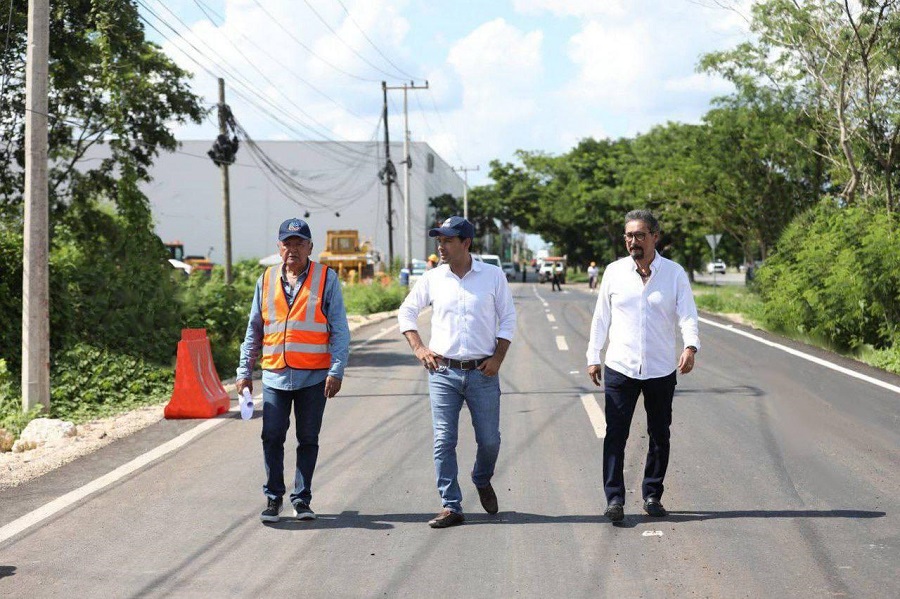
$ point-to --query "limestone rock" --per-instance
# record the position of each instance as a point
(41, 430)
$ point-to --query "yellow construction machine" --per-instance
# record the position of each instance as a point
(345, 254)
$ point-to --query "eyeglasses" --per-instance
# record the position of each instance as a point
(639, 236)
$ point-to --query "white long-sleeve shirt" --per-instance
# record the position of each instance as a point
(469, 313)
(640, 320)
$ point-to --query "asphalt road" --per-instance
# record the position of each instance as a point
(784, 481)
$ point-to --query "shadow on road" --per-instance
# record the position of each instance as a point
(745, 390)
(353, 519)
(7, 571)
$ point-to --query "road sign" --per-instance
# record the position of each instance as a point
(713, 240)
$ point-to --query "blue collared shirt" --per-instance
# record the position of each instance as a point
(291, 379)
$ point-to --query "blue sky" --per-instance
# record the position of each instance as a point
(503, 75)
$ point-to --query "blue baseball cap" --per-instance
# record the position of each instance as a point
(294, 227)
(455, 226)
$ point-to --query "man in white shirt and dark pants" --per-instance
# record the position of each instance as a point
(643, 299)
(472, 325)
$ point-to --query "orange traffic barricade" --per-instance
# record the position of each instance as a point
(198, 391)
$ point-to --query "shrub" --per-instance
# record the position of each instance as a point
(90, 382)
(371, 297)
(836, 276)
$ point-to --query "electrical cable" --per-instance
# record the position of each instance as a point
(377, 49)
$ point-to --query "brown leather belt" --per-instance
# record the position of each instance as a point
(463, 364)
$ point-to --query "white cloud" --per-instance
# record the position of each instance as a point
(575, 8)
(614, 64)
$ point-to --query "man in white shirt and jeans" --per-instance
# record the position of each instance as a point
(472, 325)
(643, 299)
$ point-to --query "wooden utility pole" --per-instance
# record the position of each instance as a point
(35, 269)
(388, 178)
(226, 189)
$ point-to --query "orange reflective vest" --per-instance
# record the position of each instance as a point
(295, 336)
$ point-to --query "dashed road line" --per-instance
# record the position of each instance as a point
(550, 317)
(598, 419)
(561, 343)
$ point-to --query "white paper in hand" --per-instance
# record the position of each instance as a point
(246, 403)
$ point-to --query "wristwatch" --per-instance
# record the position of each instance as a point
(692, 348)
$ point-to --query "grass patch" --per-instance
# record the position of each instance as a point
(729, 300)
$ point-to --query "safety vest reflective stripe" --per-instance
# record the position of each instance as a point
(315, 327)
(306, 348)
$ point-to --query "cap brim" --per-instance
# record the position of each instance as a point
(288, 236)
(445, 231)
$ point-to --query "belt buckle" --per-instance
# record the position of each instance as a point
(468, 364)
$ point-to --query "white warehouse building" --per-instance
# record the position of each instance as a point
(337, 183)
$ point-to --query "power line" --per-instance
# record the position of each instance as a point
(307, 48)
(202, 6)
(238, 79)
(348, 46)
(377, 49)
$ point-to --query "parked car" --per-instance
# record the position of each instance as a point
(545, 273)
(492, 259)
(511, 270)
(715, 267)
(418, 269)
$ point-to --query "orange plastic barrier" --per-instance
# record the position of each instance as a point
(198, 391)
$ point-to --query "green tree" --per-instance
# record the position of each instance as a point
(843, 61)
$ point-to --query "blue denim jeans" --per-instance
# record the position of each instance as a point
(449, 390)
(309, 407)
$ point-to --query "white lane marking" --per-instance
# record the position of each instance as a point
(800, 354)
(550, 317)
(652, 533)
(538, 295)
(554, 327)
(574, 371)
(561, 343)
(57, 505)
(598, 420)
(377, 335)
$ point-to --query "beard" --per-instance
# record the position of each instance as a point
(637, 252)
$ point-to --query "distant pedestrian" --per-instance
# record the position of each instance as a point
(555, 276)
(298, 330)
(472, 325)
(524, 271)
(593, 276)
(643, 299)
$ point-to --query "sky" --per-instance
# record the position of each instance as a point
(502, 75)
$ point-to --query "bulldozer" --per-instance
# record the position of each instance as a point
(344, 253)
(197, 264)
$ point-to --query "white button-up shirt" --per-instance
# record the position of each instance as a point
(469, 313)
(640, 320)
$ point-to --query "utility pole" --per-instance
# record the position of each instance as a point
(35, 268)
(226, 187)
(388, 176)
(407, 163)
(222, 155)
(465, 171)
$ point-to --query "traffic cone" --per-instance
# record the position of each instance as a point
(198, 392)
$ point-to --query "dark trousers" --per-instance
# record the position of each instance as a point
(309, 407)
(621, 398)
(554, 283)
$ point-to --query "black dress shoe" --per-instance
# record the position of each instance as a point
(446, 519)
(615, 512)
(488, 499)
(654, 507)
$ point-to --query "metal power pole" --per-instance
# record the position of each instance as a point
(35, 269)
(388, 178)
(407, 163)
(465, 171)
(226, 188)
